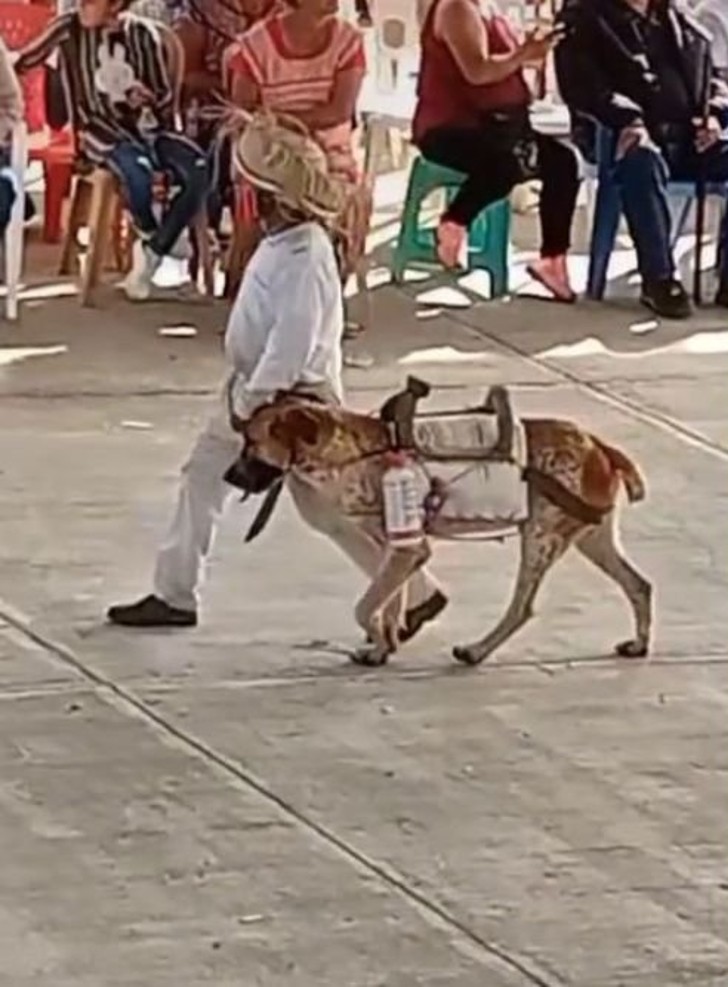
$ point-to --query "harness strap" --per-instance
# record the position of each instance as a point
(558, 494)
(265, 510)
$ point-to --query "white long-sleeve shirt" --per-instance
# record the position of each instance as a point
(286, 325)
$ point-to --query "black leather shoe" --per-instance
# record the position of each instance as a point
(667, 298)
(151, 612)
(423, 613)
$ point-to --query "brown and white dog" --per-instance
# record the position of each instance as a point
(573, 483)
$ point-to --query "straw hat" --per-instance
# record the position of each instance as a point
(276, 153)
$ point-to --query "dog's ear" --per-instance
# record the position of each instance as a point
(301, 425)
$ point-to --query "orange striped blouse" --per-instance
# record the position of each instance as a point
(289, 82)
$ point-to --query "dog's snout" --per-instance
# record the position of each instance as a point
(251, 475)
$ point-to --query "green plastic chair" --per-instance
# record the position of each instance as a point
(488, 239)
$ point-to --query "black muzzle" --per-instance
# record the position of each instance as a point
(252, 475)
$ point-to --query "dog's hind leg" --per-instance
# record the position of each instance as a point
(599, 545)
(378, 611)
(543, 541)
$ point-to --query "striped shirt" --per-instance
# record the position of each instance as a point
(288, 82)
(98, 66)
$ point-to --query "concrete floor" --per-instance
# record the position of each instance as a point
(238, 805)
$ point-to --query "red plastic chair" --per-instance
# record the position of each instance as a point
(20, 23)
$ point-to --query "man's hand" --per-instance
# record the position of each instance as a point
(635, 135)
(138, 96)
(707, 133)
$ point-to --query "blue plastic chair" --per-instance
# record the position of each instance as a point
(608, 211)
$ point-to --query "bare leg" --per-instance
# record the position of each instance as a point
(541, 545)
(387, 587)
(599, 546)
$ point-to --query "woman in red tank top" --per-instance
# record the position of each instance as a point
(472, 115)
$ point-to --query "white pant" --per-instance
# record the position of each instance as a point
(200, 503)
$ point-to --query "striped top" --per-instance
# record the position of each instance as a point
(98, 67)
(288, 82)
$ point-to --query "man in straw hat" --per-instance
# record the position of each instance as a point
(284, 334)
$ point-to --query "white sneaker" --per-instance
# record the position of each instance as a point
(137, 284)
(182, 249)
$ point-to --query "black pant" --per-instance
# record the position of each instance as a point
(493, 172)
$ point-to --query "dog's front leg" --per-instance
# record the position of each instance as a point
(378, 611)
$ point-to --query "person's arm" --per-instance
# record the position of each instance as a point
(293, 336)
(11, 96)
(583, 84)
(39, 50)
(198, 80)
(244, 88)
(460, 26)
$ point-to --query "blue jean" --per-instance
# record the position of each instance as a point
(643, 175)
(135, 165)
(7, 199)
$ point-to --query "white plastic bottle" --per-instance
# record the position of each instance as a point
(403, 510)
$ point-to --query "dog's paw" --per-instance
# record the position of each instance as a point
(466, 655)
(632, 649)
(370, 656)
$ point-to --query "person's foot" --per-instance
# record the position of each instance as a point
(138, 283)
(667, 298)
(721, 298)
(182, 248)
(416, 617)
(553, 274)
(451, 241)
(151, 612)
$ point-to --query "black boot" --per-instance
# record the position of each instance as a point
(151, 612)
(667, 298)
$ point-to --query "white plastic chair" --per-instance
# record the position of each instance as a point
(713, 16)
(397, 35)
(14, 234)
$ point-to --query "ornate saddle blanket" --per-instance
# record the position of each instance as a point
(467, 479)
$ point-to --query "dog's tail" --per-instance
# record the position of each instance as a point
(629, 474)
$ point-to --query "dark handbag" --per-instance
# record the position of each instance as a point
(510, 134)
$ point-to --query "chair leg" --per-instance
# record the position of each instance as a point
(57, 179)
(121, 239)
(77, 217)
(102, 202)
(14, 237)
(604, 233)
(204, 252)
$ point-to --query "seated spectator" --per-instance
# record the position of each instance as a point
(472, 115)
(114, 69)
(11, 112)
(309, 63)
(644, 71)
(206, 28)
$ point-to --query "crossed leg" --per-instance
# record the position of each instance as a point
(543, 541)
(600, 547)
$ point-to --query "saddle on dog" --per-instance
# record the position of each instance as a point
(472, 459)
